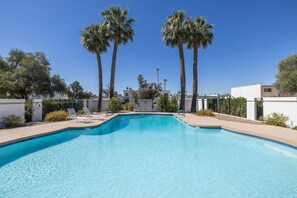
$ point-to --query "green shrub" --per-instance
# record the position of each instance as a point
(129, 106)
(165, 104)
(51, 105)
(276, 119)
(28, 110)
(80, 112)
(12, 121)
(205, 112)
(294, 128)
(261, 118)
(114, 105)
(56, 116)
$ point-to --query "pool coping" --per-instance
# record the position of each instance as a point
(13, 135)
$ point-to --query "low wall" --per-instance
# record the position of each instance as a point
(145, 105)
(12, 106)
(283, 105)
(201, 104)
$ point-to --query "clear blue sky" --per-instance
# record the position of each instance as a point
(251, 37)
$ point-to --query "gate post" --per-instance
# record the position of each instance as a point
(251, 109)
(36, 110)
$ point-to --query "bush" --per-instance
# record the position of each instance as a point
(114, 105)
(80, 112)
(56, 116)
(276, 119)
(294, 128)
(28, 110)
(206, 112)
(165, 104)
(129, 106)
(261, 118)
(51, 105)
(12, 121)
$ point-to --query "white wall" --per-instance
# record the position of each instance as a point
(188, 103)
(145, 104)
(12, 106)
(283, 105)
(250, 91)
(93, 104)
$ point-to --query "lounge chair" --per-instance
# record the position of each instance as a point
(109, 113)
(88, 113)
(73, 116)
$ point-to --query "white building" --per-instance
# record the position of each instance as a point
(254, 91)
(128, 95)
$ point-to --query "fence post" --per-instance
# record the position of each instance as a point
(251, 109)
(36, 110)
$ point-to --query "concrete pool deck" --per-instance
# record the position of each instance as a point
(279, 134)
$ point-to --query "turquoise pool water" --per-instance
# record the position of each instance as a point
(147, 156)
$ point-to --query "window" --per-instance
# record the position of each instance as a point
(267, 90)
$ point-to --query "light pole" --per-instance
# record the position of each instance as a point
(158, 75)
(165, 81)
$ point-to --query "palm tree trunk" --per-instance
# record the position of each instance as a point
(113, 67)
(182, 76)
(195, 80)
(99, 80)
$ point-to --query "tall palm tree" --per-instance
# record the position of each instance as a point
(95, 39)
(121, 32)
(199, 35)
(174, 34)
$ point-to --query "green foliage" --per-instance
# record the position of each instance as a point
(205, 112)
(294, 128)
(165, 104)
(51, 105)
(286, 78)
(114, 105)
(12, 121)
(80, 112)
(261, 118)
(147, 90)
(27, 73)
(276, 119)
(56, 116)
(232, 106)
(129, 106)
(28, 110)
(76, 91)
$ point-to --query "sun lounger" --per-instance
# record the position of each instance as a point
(73, 116)
(88, 113)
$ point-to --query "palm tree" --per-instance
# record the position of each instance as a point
(121, 32)
(95, 39)
(199, 35)
(174, 34)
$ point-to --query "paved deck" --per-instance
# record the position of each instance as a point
(280, 134)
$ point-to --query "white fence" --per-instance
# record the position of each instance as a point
(92, 104)
(201, 104)
(12, 106)
(283, 105)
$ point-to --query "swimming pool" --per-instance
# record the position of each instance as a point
(147, 156)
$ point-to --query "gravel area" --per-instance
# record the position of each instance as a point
(236, 119)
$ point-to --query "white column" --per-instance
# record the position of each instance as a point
(251, 109)
(199, 104)
(36, 110)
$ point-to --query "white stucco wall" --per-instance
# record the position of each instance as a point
(145, 105)
(12, 106)
(250, 91)
(93, 104)
(283, 105)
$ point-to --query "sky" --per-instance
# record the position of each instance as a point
(250, 38)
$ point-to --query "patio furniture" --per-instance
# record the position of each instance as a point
(73, 116)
